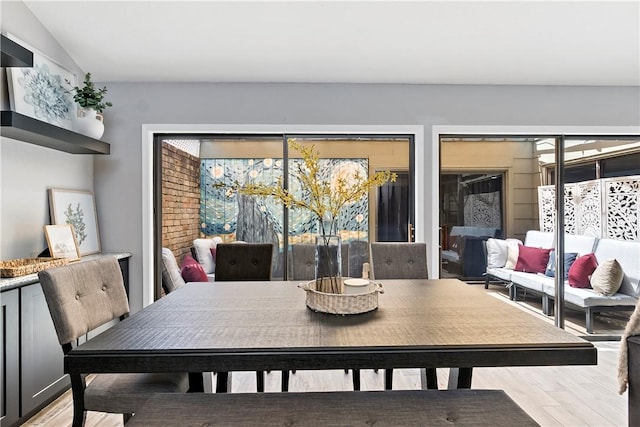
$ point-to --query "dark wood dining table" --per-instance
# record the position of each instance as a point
(254, 326)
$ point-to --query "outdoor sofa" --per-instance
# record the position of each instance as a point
(625, 253)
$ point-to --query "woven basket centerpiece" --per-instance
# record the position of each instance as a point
(342, 303)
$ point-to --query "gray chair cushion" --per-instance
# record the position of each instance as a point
(171, 277)
(83, 296)
(249, 261)
(399, 261)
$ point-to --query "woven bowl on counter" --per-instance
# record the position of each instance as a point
(341, 303)
(24, 266)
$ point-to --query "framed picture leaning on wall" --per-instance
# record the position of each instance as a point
(78, 209)
(62, 242)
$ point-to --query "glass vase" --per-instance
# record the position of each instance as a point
(328, 264)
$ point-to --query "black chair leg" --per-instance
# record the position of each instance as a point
(356, 379)
(432, 379)
(260, 381)
(388, 379)
(222, 382)
(285, 381)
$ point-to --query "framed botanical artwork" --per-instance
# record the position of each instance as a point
(62, 242)
(42, 91)
(78, 209)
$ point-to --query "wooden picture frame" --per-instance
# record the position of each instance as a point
(62, 241)
(77, 208)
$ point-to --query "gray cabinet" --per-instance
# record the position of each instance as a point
(42, 358)
(31, 359)
(9, 358)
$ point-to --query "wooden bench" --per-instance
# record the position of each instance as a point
(379, 408)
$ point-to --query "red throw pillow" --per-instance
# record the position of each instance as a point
(532, 260)
(191, 271)
(581, 270)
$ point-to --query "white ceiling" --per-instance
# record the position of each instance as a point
(434, 42)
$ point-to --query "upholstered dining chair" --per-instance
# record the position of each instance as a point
(401, 260)
(81, 297)
(303, 259)
(246, 262)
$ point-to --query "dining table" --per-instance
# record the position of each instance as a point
(261, 326)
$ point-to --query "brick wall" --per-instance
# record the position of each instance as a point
(180, 200)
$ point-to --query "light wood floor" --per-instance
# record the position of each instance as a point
(553, 396)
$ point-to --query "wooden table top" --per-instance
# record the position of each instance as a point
(266, 325)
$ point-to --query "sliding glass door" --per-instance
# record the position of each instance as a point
(227, 162)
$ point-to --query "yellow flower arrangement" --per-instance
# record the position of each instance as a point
(322, 198)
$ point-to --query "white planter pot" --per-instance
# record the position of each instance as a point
(89, 123)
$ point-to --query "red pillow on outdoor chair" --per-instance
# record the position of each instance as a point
(191, 271)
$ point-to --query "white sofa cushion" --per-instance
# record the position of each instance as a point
(203, 252)
(579, 244)
(539, 239)
(500, 273)
(531, 281)
(585, 297)
(496, 253)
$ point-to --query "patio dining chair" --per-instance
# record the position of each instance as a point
(246, 262)
(82, 297)
(401, 260)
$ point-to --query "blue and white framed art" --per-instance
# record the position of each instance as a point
(42, 91)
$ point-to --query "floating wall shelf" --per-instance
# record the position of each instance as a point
(14, 55)
(27, 129)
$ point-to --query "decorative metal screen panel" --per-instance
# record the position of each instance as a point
(588, 205)
(622, 208)
(483, 210)
(604, 208)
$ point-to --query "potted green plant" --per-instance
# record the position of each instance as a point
(91, 101)
(89, 97)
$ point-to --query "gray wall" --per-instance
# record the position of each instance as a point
(26, 170)
(117, 178)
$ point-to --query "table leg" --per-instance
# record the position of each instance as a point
(460, 378)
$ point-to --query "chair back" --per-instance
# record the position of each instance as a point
(243, 262)
(404, 260)
(358, 255)
(83, 296)
(171, 276)
(303, 261)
